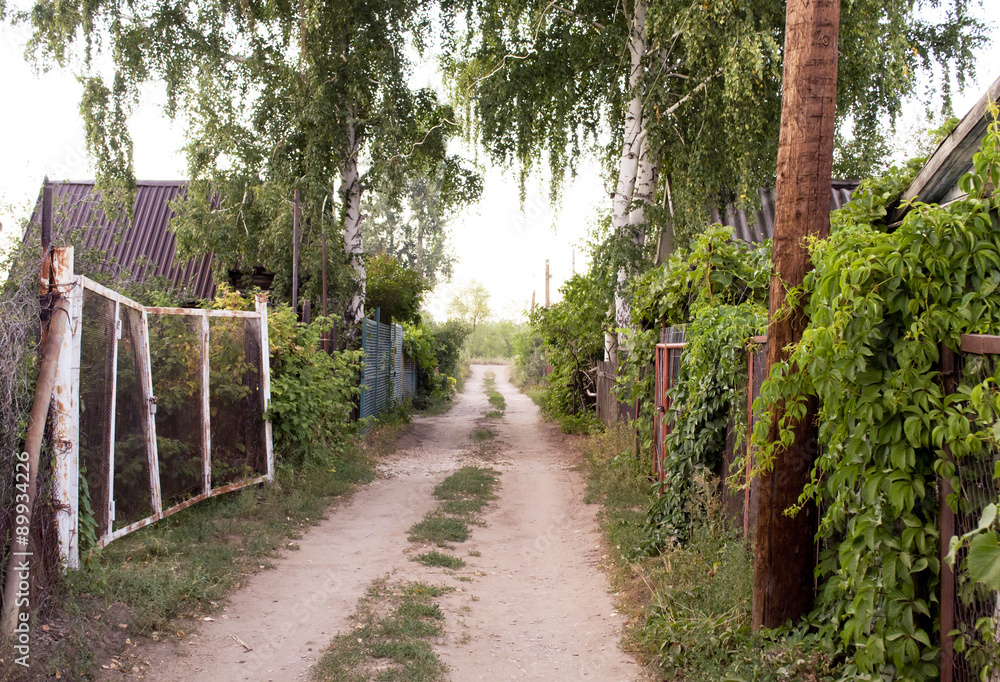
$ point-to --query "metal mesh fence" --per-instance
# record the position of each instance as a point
(235, 403)
(97, 348)
(132, 494)
(201, 373)
(176, 364)
(977, 609)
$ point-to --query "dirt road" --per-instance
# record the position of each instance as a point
(537, 606)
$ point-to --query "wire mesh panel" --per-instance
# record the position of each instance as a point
(203, 374)
(235, 401)
(175, 348)
(132, 494)
(97, 351)
(977, 608)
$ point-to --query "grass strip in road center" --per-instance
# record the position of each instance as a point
(390, 637)
(463, 495)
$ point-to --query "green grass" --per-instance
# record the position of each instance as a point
(493, 414)
(688, 606)
(494, 396)
(479, 435)
(462, 496)
(537, 394)
(390, 638)
(439, 529)
(435, 558)
(468, 483)
(186, 564)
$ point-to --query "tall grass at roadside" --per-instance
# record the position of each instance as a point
(186, 564)
(689, 606)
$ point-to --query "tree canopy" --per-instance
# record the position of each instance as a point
(471, 305)
(396, 289)
(542, 82)
(278, 96)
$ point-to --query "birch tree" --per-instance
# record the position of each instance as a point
(279, 96)
(677, 91)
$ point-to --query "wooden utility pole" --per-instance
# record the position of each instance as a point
(547, 278)
(784, 552)
(295, 254)
(532, 300)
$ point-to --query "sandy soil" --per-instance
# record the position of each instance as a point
(537, 607)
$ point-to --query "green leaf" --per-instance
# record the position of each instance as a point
(984, 560)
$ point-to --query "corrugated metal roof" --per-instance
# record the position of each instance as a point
(760, 227)
(146, 247)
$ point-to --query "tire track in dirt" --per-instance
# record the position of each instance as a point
(537, 606)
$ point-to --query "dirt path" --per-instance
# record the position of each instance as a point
(537, 607)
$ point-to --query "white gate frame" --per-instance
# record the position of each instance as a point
(66, 410)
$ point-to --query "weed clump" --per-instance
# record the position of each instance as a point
(435, 558)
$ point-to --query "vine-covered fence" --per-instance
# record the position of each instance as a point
(156, 409)
(969, 608)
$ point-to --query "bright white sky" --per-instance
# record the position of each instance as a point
(498, 244)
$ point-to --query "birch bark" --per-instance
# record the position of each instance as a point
(350, 192)
(636, 175)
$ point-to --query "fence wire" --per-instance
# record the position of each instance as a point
(132, 495)
(216, 426)
(977, 608)
(176, 363)
(97, 348)
(236, 403)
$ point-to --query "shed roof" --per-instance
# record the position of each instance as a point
(760, 227)
(937, 180)
(145, 247)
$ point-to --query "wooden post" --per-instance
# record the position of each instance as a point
(532, 300)
(265, 381)
(66, 424)
(206, 404)
(306, 311)
(784, 549)
(295, 254)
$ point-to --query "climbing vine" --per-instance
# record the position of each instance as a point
(719, 289)
(881, 301)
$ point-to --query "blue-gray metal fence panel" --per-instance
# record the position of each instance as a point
(397, 364)
(409, 379)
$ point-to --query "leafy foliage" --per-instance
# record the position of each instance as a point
(412, 225)
(719, 288)
(572, 331)
(491, 341)
(881, 301)
(544, 83)
(312, 392)
(471, 305)
(396, 289)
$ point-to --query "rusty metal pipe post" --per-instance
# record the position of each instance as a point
(13, 586)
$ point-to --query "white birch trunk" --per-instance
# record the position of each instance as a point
(632, 169)
(350, 192)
